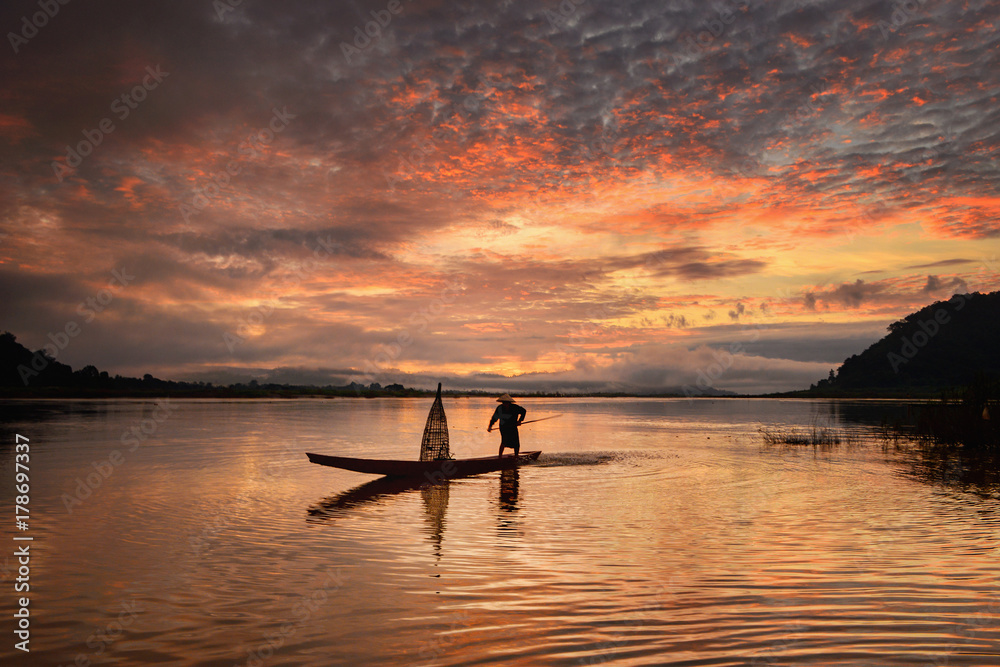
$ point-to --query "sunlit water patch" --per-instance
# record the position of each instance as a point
(648, 532)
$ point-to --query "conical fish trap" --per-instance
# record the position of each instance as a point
(434, 444)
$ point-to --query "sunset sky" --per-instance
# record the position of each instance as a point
(518, 195)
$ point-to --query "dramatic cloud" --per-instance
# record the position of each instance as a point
(517, 195)
(954, 286)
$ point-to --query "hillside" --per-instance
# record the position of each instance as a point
(942, 346)
(27, 373)
(24, 373)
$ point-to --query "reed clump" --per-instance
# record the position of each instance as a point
(817, 436)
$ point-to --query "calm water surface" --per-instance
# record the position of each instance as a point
(649, 532)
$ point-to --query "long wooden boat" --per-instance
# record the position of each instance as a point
(435, 464)
(432, 471)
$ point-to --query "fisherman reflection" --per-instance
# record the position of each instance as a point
(507, 522)
(508, 489)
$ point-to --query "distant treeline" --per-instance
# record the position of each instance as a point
(28, 374)
(24, 373)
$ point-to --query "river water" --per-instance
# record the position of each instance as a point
(650, 531)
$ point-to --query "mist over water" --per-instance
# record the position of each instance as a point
(650, 531)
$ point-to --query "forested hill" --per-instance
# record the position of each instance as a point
(24, 373)
(945, 345)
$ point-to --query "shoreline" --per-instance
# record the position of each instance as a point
(56, 393)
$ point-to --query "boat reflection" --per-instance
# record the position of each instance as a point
(373, 491)
(434, 496)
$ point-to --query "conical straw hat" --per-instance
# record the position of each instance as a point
(505, 399)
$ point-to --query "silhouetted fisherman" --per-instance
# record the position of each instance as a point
(510, 415)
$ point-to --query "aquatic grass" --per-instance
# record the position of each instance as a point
(817, 436)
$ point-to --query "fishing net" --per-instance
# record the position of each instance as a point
(434, 444)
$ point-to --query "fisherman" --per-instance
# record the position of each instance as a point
(510, 415)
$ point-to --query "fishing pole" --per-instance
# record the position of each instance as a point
(541, 419)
